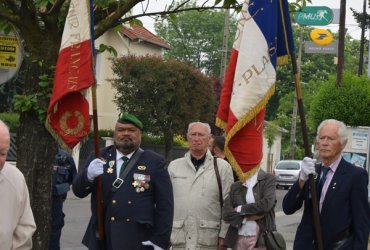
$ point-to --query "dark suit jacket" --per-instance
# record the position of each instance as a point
(130, 215)
(345, 208)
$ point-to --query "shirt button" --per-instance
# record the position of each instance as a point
(129, 202)
(112, 218)
(128, 220)
(114, 201)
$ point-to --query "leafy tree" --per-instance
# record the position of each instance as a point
(197, 38)
(348, 103)
(165, 94)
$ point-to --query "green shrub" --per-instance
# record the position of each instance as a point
(11, 119)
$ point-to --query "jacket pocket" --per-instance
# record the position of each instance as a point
(178, 233)
(208, 232)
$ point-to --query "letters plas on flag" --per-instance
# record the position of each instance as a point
(68, 117)
(263, 40)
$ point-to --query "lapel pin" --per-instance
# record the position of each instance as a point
(141, 167)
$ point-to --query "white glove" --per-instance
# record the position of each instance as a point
(307, 168)
(149, 243)
(95, 169)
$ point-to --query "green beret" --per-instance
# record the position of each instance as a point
(128, 118)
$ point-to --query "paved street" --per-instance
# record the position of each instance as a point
(78, 213)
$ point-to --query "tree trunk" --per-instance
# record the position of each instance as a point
(35, 154)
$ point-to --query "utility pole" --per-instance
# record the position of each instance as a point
(362, 44)
(295, 105)
(342, 23)
(224, 46)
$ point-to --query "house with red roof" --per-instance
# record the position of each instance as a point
(136, 40)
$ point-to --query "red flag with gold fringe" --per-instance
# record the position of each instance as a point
(68, 117)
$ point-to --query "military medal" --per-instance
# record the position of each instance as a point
(110, 169)
(141, 182)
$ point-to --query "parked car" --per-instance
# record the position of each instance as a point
(287, 172)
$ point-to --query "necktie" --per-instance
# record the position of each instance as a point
(324, 171)
(124, 163)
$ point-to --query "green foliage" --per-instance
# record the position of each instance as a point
(11, 119)
(197, 38)
(33, 102)
(109, 49)
(150, 139)
(271, 131)
(165, 94)
(314, 67)
(348, 103)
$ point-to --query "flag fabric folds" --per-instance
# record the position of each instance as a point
(68, 117)
(263, 40)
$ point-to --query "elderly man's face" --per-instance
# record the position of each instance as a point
(329, 144)
(127, 137)
(4, 146)
(198, 138)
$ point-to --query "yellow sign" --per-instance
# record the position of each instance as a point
(8, 52)
(321, 36)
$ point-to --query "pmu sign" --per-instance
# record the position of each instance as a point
(314, 15)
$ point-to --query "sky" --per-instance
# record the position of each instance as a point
(353, 29)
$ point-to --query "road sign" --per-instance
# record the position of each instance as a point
(314, 15)
(310, 47)
(321, 36)
(10, 56)
(8, 52)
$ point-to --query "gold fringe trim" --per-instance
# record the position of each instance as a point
(221, 124)
(239, 125)
(56, 136)
(282, 60)
(282, 14)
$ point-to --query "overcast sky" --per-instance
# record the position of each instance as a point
(353, 29)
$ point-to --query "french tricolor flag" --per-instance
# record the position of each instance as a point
(263, 38)
(68, 117)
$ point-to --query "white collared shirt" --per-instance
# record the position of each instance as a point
(119, 160)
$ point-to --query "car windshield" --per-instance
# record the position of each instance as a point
(288, 165)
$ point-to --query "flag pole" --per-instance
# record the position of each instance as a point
(99, 195)
(99, 185)
(315, 206)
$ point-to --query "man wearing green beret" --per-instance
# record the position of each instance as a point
(136, 189)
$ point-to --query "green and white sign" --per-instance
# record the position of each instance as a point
(314, 15)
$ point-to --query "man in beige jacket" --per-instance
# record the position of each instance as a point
(17, 224)
(197, 221)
